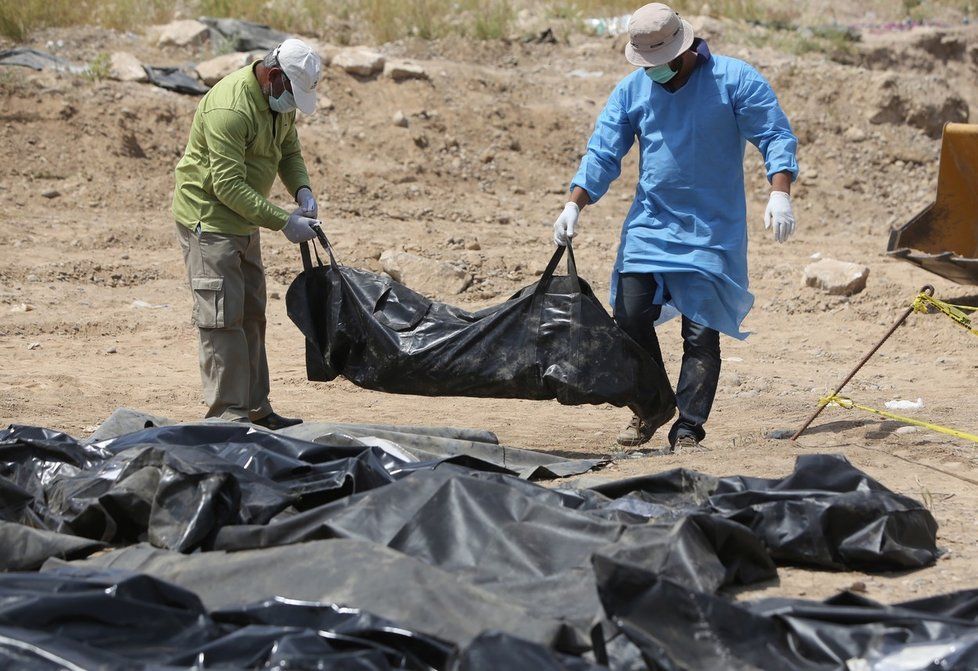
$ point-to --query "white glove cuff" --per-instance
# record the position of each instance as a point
(780, 196)
(573, 206)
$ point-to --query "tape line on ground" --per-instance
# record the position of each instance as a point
(849, 404)
(959, 313)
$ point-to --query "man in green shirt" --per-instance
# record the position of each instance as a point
(243, 135)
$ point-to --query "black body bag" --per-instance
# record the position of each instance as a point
(551, 340)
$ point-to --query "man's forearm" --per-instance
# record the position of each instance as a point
(781, 181)
(580, 198)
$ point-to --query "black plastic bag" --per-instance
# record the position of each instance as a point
(551, 340)
(175, 79)
(680, 629)
(827, 513)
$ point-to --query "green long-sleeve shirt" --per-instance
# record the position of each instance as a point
(237, 145)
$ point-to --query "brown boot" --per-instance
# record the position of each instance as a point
(687, 444)
(637, 432)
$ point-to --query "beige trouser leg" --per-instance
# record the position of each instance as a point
(227, 281)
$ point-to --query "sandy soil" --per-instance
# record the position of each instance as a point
(493, 139)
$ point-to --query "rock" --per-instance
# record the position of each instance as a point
(426, 276)
(904, 430)
(34, 345)
(50, 193)
(179, 33)
(111, 350)
(854, 134)
(473, 246)
(858, 587)
(125, 67)
(401, 70)
(23, 307)
(836, 278)
(779, 434)
(399, 119)
(359, 61)
(212, 71)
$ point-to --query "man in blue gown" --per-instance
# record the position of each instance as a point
(684, 241)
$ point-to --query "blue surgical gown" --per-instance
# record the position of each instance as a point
(688, 222)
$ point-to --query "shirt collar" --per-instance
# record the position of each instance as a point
(701, 49)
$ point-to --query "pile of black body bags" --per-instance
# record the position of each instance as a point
(224, 546)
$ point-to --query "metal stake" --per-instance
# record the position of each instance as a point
(927, 289)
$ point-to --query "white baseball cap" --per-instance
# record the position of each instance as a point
(656, 35)
(302, 66)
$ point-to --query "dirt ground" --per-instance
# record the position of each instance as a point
(493, 138)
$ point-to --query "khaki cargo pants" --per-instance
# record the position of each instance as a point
(227, 281)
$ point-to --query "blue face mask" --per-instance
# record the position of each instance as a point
(661, 73)
(284, 104)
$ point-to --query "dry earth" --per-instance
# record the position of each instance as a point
(492, 140)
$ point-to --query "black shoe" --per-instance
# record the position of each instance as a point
(273, 421)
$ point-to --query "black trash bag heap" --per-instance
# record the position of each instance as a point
(551, 340)
(463, 556)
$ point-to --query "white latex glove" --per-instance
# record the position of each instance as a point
(307, 203)
(566, 223)
(299, 227)
(779, 215)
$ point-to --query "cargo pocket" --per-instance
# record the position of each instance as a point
(208, 302)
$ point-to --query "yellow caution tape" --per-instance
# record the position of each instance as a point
(849, 404)
(923, 302)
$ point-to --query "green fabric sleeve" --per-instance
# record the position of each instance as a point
(226, 133)
(292, 168)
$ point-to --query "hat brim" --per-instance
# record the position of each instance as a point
(649, 58)
(304, 100)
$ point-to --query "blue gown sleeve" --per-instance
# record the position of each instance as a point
(612, 138)
(763, 123)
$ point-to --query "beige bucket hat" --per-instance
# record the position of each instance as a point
(656, 35)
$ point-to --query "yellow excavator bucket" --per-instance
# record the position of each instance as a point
(944, 237)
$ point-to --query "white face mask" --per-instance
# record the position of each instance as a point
(284, 104)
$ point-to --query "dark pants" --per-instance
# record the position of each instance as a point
(700, 372)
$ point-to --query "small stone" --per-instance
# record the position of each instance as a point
(904, 430)
(859, 587)
(399, 119)
(183, 33)
(836, 278)
(779, 434)
(216, 69)
(34, 345)
(473, 246)
(111, 350)
(23, 307)
(359, 61)
(275, 296)
(125, 67)
(854, 134)
(401, 70)
(50, 193)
